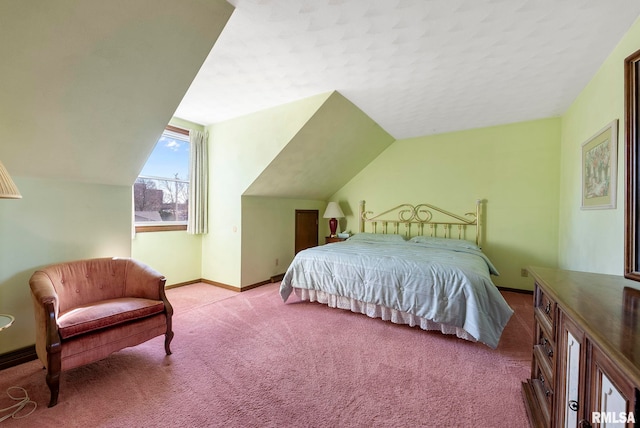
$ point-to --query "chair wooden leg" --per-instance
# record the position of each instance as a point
(53, 378)
(53, 381)
(167, 342)
(169, 334)
(54, 350)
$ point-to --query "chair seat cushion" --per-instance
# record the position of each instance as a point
(104, 314)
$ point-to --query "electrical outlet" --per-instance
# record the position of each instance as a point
(524, 272)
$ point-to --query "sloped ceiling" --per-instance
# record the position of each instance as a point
(336, 143)
(416, 67)
(87, 86)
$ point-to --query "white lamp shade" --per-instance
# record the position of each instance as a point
(333, 211)
(8, 188)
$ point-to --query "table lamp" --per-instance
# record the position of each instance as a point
(8, 188)
(333, 212)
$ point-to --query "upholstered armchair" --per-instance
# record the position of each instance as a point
(87, 309)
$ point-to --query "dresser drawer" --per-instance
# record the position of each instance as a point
(545, 346)
(543, 388)
(545, 309)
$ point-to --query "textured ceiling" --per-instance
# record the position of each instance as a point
(416, 67)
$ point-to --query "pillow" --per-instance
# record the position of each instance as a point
(376, 237)
(445, 242)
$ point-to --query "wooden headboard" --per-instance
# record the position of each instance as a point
(414, 218)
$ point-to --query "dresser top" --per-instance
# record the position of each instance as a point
(605, 306)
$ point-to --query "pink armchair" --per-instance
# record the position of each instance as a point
(87, 309)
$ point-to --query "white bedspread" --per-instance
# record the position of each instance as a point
(446, 286)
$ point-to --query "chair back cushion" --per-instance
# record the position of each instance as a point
(82, 282)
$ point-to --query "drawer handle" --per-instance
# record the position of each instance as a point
(573, 405)
(547, 392)
(549, 350)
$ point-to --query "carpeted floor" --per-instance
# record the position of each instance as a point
(249, 360)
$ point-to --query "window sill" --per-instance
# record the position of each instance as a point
(161, 228)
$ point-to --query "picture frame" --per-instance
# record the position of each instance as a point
(600, 169)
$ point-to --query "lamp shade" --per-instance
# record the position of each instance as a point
(333, 211)
(8, 188)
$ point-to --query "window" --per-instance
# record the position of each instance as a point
(161, 191)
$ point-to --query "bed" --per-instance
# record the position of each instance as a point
(410, 268)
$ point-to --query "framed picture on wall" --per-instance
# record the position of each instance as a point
(599, 168)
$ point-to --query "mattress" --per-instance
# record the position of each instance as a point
(430, 282)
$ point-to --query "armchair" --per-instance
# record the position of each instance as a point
(87, 309)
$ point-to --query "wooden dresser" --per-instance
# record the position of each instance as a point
(585, 368)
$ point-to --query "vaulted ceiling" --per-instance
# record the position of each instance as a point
(87, 86)
(416, 67)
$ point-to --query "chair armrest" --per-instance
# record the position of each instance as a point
(143, 281)
(53, 336)
(43, 291)
(45, 301)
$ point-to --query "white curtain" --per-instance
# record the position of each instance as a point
(199, 183)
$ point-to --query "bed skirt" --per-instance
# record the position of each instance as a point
(376, 311)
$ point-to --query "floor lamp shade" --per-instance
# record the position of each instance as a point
(8, 188)
(333, 212)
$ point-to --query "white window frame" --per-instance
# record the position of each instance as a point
(159, 226)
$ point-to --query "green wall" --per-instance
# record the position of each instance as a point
(55, 221)
(177, 254)
(268, 233)
(85, 109)
(334, 144)
(514, 168)
(593, 240)
(239, 150)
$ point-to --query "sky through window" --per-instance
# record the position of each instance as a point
(169, 157)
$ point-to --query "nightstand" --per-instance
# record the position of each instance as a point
(331, 239)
